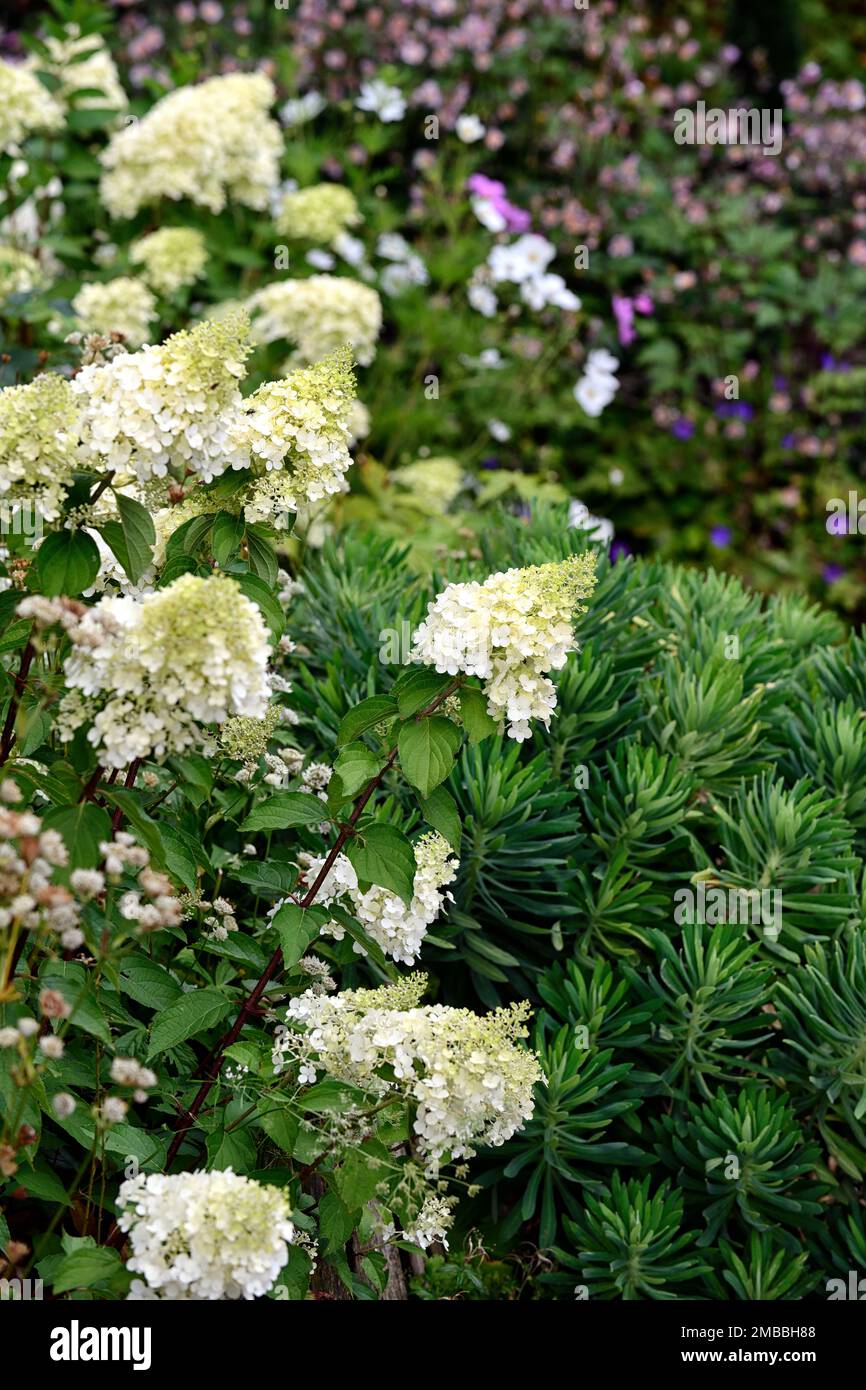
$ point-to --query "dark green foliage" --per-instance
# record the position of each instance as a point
(704, 740)
(629, 1243)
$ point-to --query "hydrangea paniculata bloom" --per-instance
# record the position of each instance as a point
(296, 433)
(216, 1235)
(509, 631)
(170, 258)
(206, 142)
(168, 405)
(125, 306)
(150, 673)
(26, 107)
(318, 315)
(466, 1074)
(38, 424)
(317, 214)
(398, 927)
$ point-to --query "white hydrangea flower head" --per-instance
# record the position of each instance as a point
(467, 1075)
(400, 928)
(319, 213)
(150, 673)
(167, 406)
(26, 107)
(171, 258)
(206, 142)
(38, 443)
(20, 273)
(509, 631)
(82, 62)
(124, 305)
(296, 432)
(216, 1235)
(318, 315)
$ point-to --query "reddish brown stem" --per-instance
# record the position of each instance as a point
(210, 1068)
(89, 791)
(20, 679)
(117, 818)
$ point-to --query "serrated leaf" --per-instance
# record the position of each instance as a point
(285, 809)
(335, 1222)
(67, 562)
(226, 537)
(419, 689)
(355, 766)
(382, 854)
(83, 1268)
(296, 928)
(82, 827)
(279, 1124)
(146, 829)
(148, 982)
(439, 809)
(364, 716)
(427, 750)
(257, 590)
(234, 1148)
(139, 536)
(193, 1013)
(262, 557)
(476, 720)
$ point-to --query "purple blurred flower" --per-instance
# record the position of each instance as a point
(833, 572)
(829, 364)
(683, 428)
(623, 312)
(734, 410)
(720, 537)
(493, 192)
(618, 551)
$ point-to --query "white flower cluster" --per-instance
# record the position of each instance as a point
(124, 306)
(200, 1236)
(20, 273)
(319, 213)
(597, 387)
(399, 928)
(167, 406)
(26, 107)
(524, 262)
(598, 528)
(149, 673)
(295, 432)
(466, 1074)
(383, 100)
(205, 142)
(318, 315)
(220, 919)
(82, 63)
(432, 1222)
(509, 631)
(171, 258)
(406, 268)
(38, 432)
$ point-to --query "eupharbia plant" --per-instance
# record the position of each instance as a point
(197, 1108)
